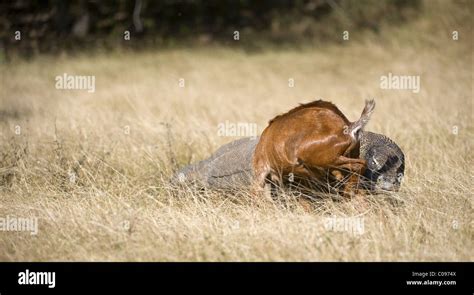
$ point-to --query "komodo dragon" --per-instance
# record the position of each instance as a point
(230, 167)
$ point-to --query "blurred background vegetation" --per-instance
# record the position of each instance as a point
(51, 26)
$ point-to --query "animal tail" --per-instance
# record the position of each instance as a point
(357, 126)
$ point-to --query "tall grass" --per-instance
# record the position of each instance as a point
(93, 167)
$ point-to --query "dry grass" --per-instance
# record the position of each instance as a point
(120, 207)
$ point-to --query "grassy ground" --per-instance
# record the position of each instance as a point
(92, 167)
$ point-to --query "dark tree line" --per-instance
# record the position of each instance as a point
(50, 25)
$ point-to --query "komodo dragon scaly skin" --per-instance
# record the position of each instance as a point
(230, 167)
(385, 162)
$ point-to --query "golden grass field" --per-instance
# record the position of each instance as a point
(94, 167)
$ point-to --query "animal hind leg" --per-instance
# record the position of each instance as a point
(356, 167)
(258, 186)
(275, 185)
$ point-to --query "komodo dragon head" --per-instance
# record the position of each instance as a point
(385, 162)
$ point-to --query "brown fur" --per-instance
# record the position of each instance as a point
(312, 141)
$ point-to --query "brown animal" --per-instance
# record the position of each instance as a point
(313, 141)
